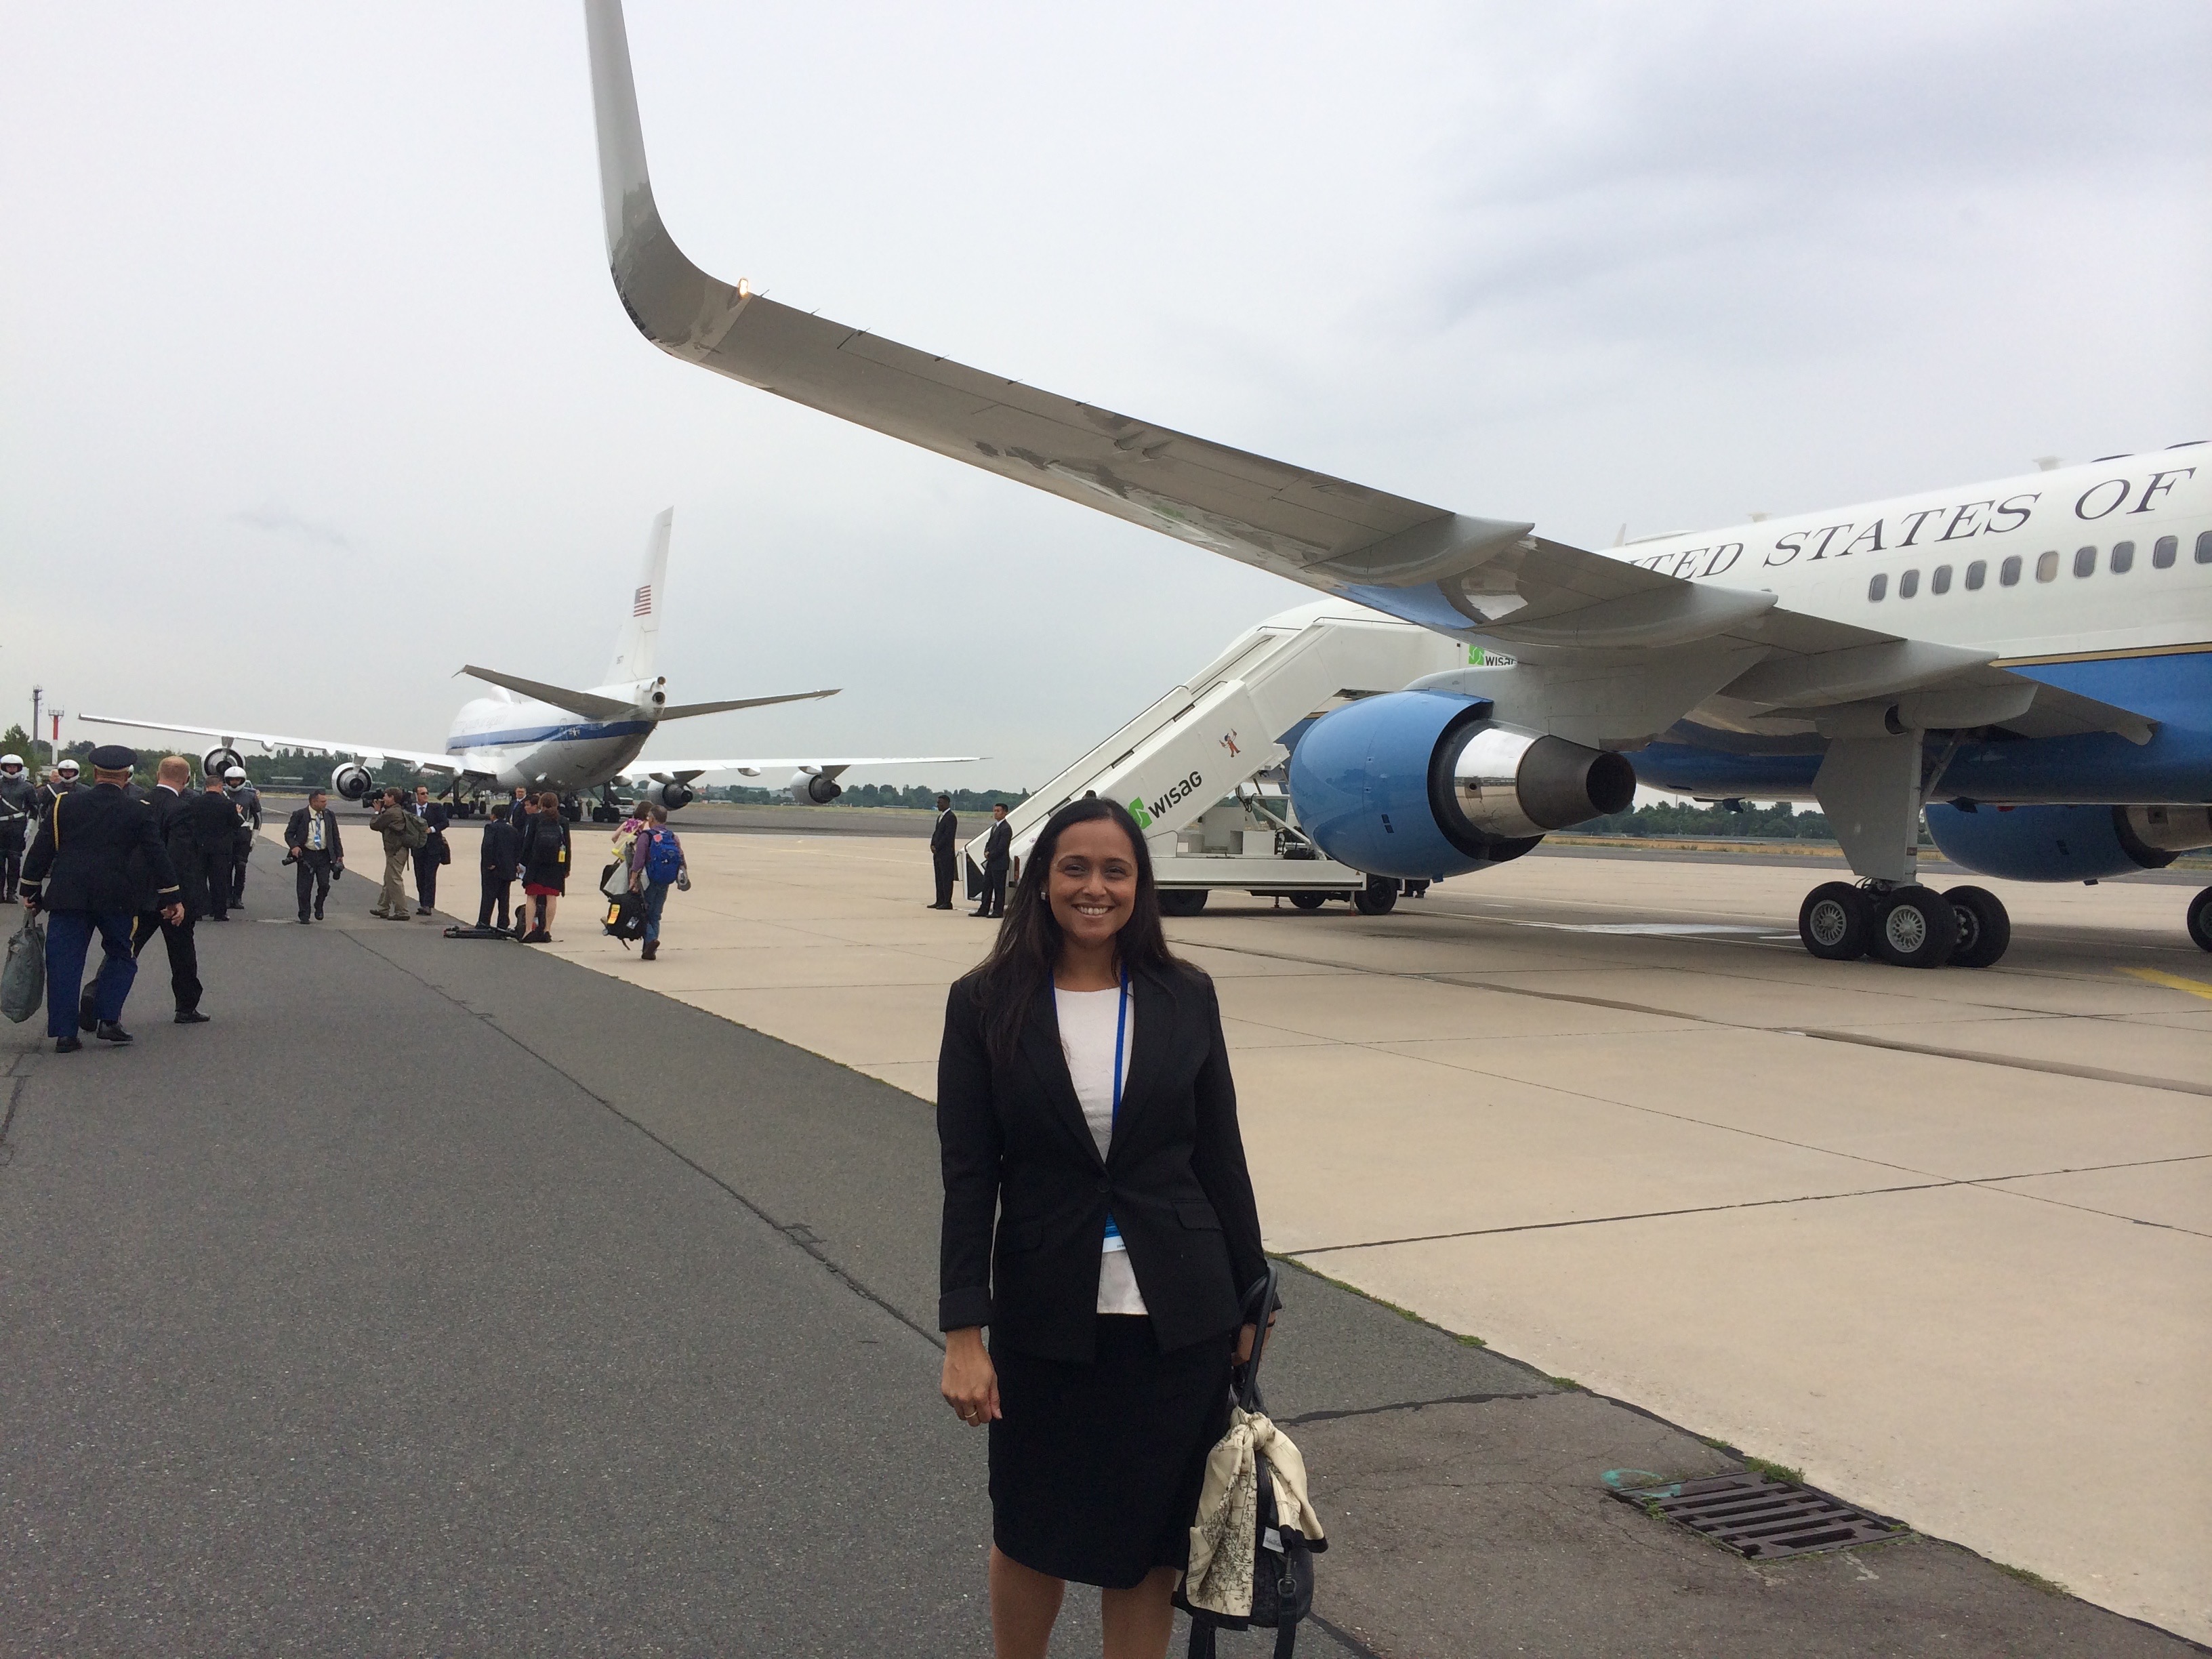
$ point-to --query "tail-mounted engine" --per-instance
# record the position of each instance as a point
(217, 762)
(351, 782)
(811, 789)
(1424, 784)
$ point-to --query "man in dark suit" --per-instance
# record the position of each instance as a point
(95, 864)
(432, 852)
(940, 851)
(313, 842)
(209, 825)
(997, 858)
(502, 852)
(171, 780)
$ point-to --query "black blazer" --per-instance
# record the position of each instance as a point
(295, 834)
(999, 844)
(107, 857)
(942, 832)
(1013, 1140)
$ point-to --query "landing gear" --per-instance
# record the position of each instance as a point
(2200, 919)
(1835, 921)
(1913, 927)
(1984, 929)
(1182, 901)
(1377, 898)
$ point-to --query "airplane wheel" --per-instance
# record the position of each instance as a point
(1834, 921)
(1984, 928)
(1308, 901)
(1914, 927)
(2200, 919)
(1182, 901)
(1377, 898)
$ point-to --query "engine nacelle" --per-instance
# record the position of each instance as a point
(351, 782)
(1423, 784)
(672, 796)
(811, 790)
(2067, 843)
(217, 762)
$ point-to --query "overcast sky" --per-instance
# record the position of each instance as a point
(315, 386)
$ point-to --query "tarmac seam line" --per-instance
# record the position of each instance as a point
(1987, 1183)
(2055, 1067)
(789, 1231)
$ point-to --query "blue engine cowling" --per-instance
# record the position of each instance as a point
(1421, 785)
(2045, 844)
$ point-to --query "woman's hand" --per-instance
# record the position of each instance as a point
(970, 1384)
(1244, 1338)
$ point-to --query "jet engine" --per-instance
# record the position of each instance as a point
(1423, 784)
(673, 795)
(351, 782)
(809, 789)
(217, 762)
(2067, 843)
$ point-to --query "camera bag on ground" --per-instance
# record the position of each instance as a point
(1253, 1541)
(625, 918)
(480, 932)
(23, 981)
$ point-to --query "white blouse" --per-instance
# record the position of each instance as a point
(1087, 1021)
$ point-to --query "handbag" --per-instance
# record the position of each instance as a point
(1253, 1541)
(23, 979)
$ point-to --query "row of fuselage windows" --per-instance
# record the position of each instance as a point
(2163, 553)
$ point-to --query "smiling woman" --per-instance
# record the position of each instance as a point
(1085, 1101)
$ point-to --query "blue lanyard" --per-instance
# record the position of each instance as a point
(1120, 1032)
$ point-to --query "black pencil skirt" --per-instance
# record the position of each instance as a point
(1096, 1469)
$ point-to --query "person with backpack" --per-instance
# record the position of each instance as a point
(656, 864)
(403, 833)
(544, 859)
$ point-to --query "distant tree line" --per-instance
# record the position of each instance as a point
(919, 796)
(1777, 822)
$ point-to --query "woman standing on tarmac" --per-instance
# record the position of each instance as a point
(1084, 1096)
(544, 867)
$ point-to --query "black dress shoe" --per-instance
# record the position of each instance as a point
(68, 1045)
(303, 921)
(190, 1017)
(88, 1016)
(111, 1031)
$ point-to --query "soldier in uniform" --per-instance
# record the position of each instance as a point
(96, 862)
(61, 780)
(247, 799)
(18, 804)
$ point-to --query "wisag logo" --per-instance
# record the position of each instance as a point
(1181, 790)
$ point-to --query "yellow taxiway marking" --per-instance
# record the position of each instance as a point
(2196, 987)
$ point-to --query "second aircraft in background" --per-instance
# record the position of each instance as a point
(540, 737)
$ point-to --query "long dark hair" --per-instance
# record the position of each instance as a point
(1027, 949)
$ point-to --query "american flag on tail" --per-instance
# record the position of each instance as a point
(642, 606)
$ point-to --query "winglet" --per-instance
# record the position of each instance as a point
(675, 305)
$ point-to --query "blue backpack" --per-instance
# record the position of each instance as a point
(664, 855)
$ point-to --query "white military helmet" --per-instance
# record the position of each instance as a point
(234, 773)
(68, 766)
(11, 760)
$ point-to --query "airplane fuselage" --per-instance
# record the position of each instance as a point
(520, 742)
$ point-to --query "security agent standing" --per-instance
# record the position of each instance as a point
(997, 857)
(247, 799)
(18, 806)
(313, 842)
(940, 851)
(501, 851)
(95, 863)
(61, 780)
(432, 852)
(209, 825)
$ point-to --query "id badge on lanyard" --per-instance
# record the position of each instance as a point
(1114, 1240)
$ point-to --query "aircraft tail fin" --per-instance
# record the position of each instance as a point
(636, 643)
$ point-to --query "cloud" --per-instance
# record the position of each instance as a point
(280, 521)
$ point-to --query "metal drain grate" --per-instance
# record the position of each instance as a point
(1762, 1518)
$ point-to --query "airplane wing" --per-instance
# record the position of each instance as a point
(231, 737)
(682, 771)
(1491, 581)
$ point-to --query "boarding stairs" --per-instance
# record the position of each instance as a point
(1200, 767)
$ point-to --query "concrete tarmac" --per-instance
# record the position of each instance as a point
(438, 1296)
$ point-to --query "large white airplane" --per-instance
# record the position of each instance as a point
(2030, 660)
(530, 734)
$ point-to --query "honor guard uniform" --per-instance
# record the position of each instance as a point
(96, 862)
(18, 804)
(247, 799)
